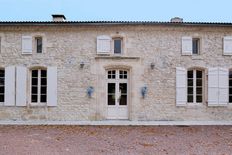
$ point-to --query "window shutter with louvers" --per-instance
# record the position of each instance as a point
(223, 86)
(52, 86)
(213, 86)
(9, 86)
(227, 48)
(26, 45)
(181, 86)
(187, 46)
(21, 86)
(103, 45)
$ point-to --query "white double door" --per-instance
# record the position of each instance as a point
(117, 95)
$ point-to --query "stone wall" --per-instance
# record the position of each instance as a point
(67, 46)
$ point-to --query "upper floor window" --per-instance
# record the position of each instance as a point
(196, 46)
(190, 46)
(39, 44)
(39, 86)
(117, 45)
(194, 86)
(2, 85)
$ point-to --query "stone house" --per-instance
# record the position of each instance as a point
(139, 71)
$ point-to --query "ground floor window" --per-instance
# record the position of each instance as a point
(230, 86)
(2, 85)
(195, 86)
(39, 86)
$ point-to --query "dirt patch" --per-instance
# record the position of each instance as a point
(134, 140)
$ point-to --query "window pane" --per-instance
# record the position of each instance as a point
(43, 90)
(230, 91)
(43, 98)
(230, 74)
(190, 74)
(44, 81)
(34, 90)
(190, 98)
(196, 43)
(123, 100)
(199, 91)
(199, 99)
(111, 88)
(39, 45)
(190, 90)
(34, 73)
(230, 83)
(43, 73)
(199, 82)
(33, 98)
(1, 98)
(199, 74)
(111, 99)
(117, 46)
(190, 82)
(2, 90)
(34, 81)
(230, 99)
(2, 73)
(2, 80)
(123, 88)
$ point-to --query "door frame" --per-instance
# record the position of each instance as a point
(117, 81)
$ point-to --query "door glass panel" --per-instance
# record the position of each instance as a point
(111, 93)
(123, 92)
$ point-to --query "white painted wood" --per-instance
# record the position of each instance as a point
(181, 86)
(103, 44)
(227, 46)
(52, 86)
(26, 45)
(213, 83)
(223, 98)
(117, 111)
(21, 86)
(187, 46)
(9, 86)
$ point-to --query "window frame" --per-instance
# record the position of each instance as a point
(198, 45)
(36, 44)
(2, 69)
(195, 86)
(113, 47)
(38, 103)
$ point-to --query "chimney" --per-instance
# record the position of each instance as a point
(58, 18)
(177, 20)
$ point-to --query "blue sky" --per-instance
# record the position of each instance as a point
(88, 10)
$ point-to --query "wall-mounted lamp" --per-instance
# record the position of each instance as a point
(82, 64)
(152, 65)
(90, 91)
(144, 91)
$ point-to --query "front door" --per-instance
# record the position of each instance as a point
(117, 94)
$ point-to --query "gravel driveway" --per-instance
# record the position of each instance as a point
(120, 140)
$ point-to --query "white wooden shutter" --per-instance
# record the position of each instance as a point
(9, 86)
(213, 84)
(187, 47)
(103, 45)
(52, 86)
(181, 86)
(223, 86)
(227, 48)
(26, 45)
(21, 86)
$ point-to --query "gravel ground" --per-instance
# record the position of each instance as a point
(119, 140)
